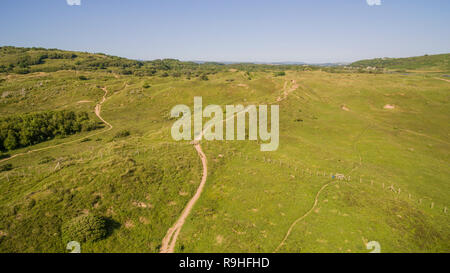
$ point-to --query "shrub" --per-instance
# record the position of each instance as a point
(204, 77)
(30, 203)
(46, 159)
(6, 167)
(82, 78)
(122, 133)
(280, 73)
(84, 228)
(20, 70)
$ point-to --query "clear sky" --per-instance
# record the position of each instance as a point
(232, 30)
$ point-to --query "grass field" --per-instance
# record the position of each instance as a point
(395, 162)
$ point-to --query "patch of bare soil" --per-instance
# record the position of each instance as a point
(219, 239)
(144, 220)
(389, 106)
(345, 108)
(286, 90)
(129, 224)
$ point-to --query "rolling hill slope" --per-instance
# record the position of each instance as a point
(392, 162)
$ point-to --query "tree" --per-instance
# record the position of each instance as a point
(10, 142)
(84, 228)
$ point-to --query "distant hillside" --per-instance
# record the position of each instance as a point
(27, 60)
(20, 60)
(440, 62)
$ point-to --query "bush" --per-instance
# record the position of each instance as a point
(46, 159)
(280, 73)
(84, 228)
(6, 167)
(83, 78)
(122, 133)
(204, 77)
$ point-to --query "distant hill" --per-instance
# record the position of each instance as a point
(27, 60)
(19, 60)
(440, 62)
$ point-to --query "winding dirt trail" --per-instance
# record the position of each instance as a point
(287, 91)
(443, 79)
(316, 199)
(169, 241)
(97, 110)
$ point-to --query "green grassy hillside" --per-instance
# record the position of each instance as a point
(386, 133)
(427, 63)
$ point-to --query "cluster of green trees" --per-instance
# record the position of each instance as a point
(29, 129)
(28, 60)
(20, 60)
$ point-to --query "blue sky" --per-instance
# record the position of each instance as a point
(232, 30)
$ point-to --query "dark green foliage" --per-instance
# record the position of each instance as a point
(122, 133)
(84, 228)
(280, 73)
(204, 77)
(83, 78)
(6, 167)
(29, 129)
